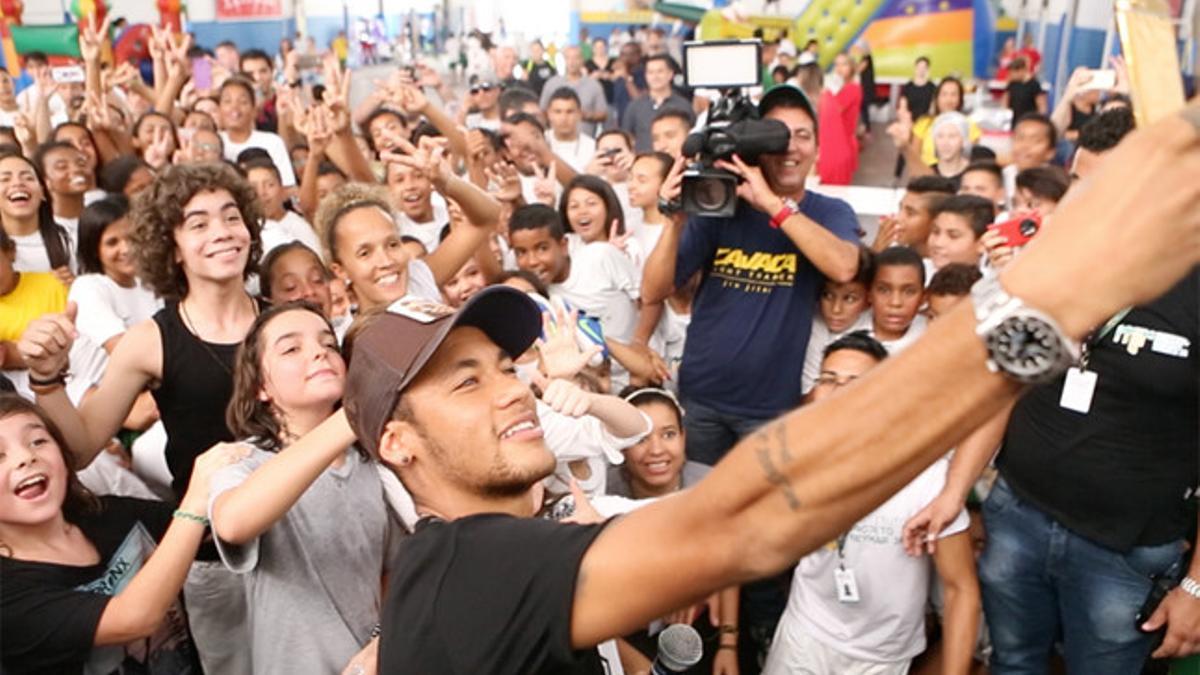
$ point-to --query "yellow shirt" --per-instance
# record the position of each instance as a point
(340, 48)
(37, 293)
(921, 130)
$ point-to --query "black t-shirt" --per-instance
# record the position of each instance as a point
(605, 84)
(538, 74)
(50, 612)
(1122, 474)
(1022, 98)
(486, 594)
(1080, 118)
(919, 97)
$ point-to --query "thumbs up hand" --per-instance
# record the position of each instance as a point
(47, 341)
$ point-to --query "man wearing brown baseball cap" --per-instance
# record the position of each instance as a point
(484, 588)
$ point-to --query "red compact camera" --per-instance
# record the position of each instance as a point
(1019, 230)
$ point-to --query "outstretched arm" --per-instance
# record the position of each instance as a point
(799, 481)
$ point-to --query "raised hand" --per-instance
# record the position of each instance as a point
(91, 39)
(753, 188)
(158, 153)
(544, 184)
(560, 354)
(428, 157)
(46, 343)
(564, 396)
(504, 181)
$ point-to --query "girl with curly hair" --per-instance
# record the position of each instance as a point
(195, 237)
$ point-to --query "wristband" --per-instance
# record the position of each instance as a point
(58, 380)
(1191, 587)
(375, 631)
(185, 515)
(720, 647)
(785, 212)
(727, 629)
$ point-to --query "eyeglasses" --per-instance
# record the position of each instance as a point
(481, 87)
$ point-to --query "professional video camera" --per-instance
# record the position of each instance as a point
(733, 126)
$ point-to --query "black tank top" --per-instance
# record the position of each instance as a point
(197, 383)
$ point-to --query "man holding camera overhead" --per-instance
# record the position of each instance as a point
(762, 271)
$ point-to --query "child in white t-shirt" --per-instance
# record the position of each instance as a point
(843, 309)
(897, 293)
(280, 226)
(858, 604)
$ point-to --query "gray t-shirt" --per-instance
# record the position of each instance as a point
(591, 97)
(618, 481)
(640, 114)
(313, 578)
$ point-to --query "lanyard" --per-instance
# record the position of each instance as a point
(1096, 338)
(841, 550)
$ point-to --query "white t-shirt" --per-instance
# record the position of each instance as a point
(603, 282)
(421, 283)
(582, 438)
(478, 121)
(107, 309)
(818, 340)
(71, 225)
(888, 622)
(32, 255)
(915, 330)
(291, 227)
(577, 153)
(428, 231)
(27, 99)
(668, 341)
(268, 141)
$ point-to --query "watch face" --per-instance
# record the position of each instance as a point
(1027, 348)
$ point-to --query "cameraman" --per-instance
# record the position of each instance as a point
(762, 272)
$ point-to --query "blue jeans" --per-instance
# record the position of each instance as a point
(1041, 581)
(711, 433)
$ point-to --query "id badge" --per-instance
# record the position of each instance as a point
(1078, 389)
(847, 586)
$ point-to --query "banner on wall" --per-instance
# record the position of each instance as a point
(249, 9)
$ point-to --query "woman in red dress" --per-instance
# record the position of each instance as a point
(839, 110)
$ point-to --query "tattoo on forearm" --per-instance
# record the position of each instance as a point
(769, 467)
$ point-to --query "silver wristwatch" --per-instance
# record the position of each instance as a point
(1023, 343)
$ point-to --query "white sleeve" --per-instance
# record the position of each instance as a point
(96, 317)
(622, 271)
(279, 154)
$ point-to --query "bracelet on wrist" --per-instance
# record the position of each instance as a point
(57, 380)
(187, 515)
(1190, 586)
(724, 646)
(727, 629)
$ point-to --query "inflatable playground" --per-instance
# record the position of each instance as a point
(61, 42)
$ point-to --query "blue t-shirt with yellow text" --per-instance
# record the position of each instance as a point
(754, 309)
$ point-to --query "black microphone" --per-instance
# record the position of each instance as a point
(679, 648)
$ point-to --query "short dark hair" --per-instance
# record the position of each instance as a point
(987, 167)
(858, 341)
(660, 57)
(528, 277)
(617, 132)
(899, 256)
(1047, 182)
(1104, 131)
(39, 155)
(251, 155)
(954, 279)
(254, 55)
(525, 118)
(564, 94)
(1017, 63)
(115, 175)
(866, 266)
(236, 81)
(513, 98)
(94, 220)
(227, 43)
(925, 184)
(536, 217)
(36, 55)
(328, 168)
(1047, 125)
(375, 114)
(977, 211)
(684, 116)
(922, 58)
(260, 163)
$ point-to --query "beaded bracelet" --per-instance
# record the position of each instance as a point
(184, 515)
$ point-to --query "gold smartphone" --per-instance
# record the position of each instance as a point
(1148, 40)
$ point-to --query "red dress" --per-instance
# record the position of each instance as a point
(837, 155)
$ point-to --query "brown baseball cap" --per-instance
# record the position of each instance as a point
(392, 350)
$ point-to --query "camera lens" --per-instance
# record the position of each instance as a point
(711, 194)
(1029, 227)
